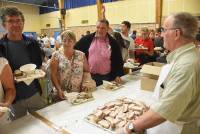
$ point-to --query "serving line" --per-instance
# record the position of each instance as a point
(64, 118)
(71, 118)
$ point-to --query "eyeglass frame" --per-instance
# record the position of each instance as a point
(163, 30)
(18, 21)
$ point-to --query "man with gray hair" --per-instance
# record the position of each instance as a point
(177, 93)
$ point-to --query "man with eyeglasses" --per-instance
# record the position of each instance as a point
(177, 93)
(20, 50)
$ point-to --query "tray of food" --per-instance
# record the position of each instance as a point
(28, 72)
(158, 48)
(76, 98)
(111, 85)
(140, 47)
(130, 63)
(4, 109)
(116, 114)
(21, 76)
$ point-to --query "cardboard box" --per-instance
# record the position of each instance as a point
(150, 73)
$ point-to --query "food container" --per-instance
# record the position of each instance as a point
(28, 68)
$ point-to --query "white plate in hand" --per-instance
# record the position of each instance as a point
(4, 109)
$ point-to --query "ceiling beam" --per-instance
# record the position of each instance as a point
(99, 9)
(61, 4)
(159, 5)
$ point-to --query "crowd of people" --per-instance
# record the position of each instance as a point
(75, 66)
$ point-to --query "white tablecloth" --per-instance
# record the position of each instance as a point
(26, 125)
(71, 118)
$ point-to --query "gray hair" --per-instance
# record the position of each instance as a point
(187, 23)
(10, 11)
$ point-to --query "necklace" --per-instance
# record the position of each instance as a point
(69, 85)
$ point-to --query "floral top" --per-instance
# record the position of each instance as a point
(70, 72)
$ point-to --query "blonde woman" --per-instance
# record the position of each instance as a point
(69, 67)
(7, 88)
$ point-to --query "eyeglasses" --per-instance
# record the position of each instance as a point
(18, 21)
(165, 29)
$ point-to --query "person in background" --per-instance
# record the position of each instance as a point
(47, 49)
(143, 41)
(134, 34)
(58, 38)
(127, 51)
(158, 40)
(103, 54)
(56, 46)
(87, 32)
(158, 43)
(117, 36)
(152, 34)
(197, 41)
(20, 50)
(45, 38)
(31, 35)
(52, 41)
(7, 89)
(177, 107)
(69, 68)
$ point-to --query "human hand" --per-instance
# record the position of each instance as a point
(1, 114)
(3, 105)
(61, 94)
(122, 130)
(118, 79)
(86, 86)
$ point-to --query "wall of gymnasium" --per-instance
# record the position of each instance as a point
(116, 12)
(139, 12)
(31, 14)
(171, 6)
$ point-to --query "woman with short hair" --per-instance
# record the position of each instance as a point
(69, 67)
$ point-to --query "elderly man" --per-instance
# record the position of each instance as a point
(177, 108)
(103, 54)
(20, 50)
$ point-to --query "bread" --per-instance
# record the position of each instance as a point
(18, 73)
(104, 123)
(121, 124)
(115, 114)
(92, 118)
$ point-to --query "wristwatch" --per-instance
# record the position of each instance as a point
(131, 127)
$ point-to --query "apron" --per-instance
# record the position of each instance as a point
(166, 127)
